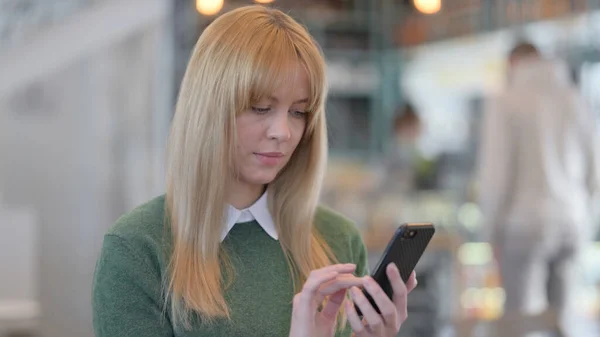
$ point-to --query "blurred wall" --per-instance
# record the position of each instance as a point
(84, 109)
(19, 281)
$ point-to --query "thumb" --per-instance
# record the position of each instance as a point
(335, 301)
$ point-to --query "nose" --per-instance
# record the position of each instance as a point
(279, 128)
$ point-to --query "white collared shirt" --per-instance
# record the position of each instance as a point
(259, 211)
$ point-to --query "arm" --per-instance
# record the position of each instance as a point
(127, 294)
(495, 169)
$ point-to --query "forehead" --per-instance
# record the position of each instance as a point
(293, 84)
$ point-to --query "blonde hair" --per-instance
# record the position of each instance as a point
(241, 57)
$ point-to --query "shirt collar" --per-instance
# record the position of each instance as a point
(259, 211)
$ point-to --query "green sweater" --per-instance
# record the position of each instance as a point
(127, 298)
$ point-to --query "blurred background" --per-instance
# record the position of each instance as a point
(87, 89)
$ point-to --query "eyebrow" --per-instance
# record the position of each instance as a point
(300, 101)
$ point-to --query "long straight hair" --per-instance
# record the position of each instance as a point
(240, 58)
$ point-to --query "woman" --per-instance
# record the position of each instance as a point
(238, 232)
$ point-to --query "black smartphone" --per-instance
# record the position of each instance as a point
(404, 249)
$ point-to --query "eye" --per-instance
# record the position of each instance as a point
(261, 111)
(298, 114)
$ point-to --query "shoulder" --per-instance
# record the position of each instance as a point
(144, 231)
(146, 219)
(333, 224)
(341, 234)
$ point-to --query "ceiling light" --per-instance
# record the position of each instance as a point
(428, 6)
(209, 7)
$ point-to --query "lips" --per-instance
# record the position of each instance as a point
(271, 154)
(270, 158)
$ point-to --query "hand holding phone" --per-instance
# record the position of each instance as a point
(404, 250)
(393, 312)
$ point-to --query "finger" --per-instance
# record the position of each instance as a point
(310, 291)
(355, 321)
(316, 278)
(396, 281)
(342, 281)
(340, 268)
(369, 314)
(309, 294)
(412, 282)
(366, 324)
(334, 303)
(387, 308)
(400, 292)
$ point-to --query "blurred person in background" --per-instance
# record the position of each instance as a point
(406, 169)
(538, 176)
(400, 163)
(238, 246)
(408, 128)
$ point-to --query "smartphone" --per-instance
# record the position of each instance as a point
(404, 249)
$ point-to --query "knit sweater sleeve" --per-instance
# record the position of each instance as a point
(344, 238)
(126, 295)
(360, 255)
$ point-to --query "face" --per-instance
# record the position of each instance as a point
(269, 132)
(408, 133)
(516, 60)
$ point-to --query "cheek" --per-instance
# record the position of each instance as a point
(298, 132)
(243, 149)
(247, 135)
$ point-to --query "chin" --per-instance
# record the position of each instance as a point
(262, 179)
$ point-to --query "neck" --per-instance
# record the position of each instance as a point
(243, 195)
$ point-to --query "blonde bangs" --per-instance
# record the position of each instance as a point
(273, 64)
(313, 63)
(277, 61)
